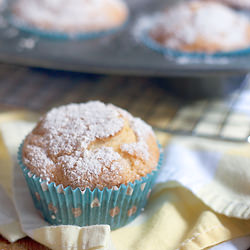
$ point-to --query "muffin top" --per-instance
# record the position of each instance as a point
(90, 145)
(201, 26)
(71, 16)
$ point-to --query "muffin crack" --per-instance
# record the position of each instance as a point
(90, 145)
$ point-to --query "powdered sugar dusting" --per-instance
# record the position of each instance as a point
(42, 161)
(197, 22)
(90, 164)
(73, 127)
(140, 149)
(61, 143)
(145, 23)
(71, 16)
(142, 130)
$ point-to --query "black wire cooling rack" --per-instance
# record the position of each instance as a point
(224, 119)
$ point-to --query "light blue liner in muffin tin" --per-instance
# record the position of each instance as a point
(154, 45)
(53, 34)
(65, 206)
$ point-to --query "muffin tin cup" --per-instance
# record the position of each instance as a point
(154, 45)
(65, 206)
(58, 35)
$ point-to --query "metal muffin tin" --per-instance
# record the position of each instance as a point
(114, 53)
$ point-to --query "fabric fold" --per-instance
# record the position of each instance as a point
(55, 237)
(216, 172)
(65, 237)
(173, 219)
(9, 224)
(73, 237)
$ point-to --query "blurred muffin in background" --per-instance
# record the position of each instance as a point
(71, 16)
(201, 26)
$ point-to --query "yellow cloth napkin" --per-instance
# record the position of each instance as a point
(174, 218)
(56, 237)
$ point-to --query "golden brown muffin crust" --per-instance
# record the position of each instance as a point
(74, 16)
(201, 26)
(90, 145)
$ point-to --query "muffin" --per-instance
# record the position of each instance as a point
(90, 163)
(201, 26)
(70, 16)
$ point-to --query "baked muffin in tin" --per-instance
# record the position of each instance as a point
(72, 18)
(200, 27)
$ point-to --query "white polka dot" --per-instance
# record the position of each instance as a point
(143, 186)
(30, 174)
(95, 203)
(76, 211)
(60, 189)
(114, 211)
(129, 190)
(132, 210)
(44, 186)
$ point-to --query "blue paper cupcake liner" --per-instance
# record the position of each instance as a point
(53, 34)
(65, 206)
(154, 45)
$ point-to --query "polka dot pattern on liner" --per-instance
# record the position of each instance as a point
(116, 206)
